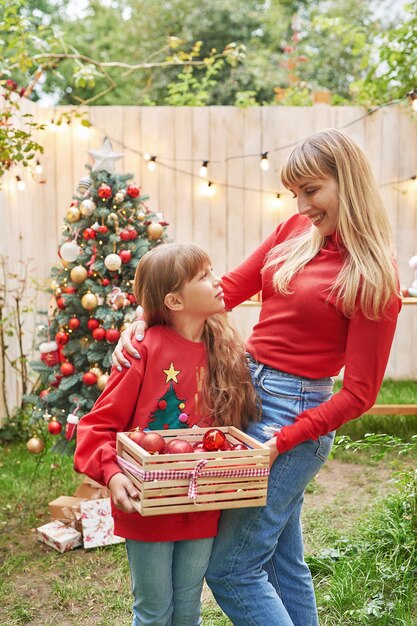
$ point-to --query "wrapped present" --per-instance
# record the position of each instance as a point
(59, 536)
(97, 523)
(91, 490)
(67, 509)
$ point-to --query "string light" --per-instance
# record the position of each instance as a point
(83, 131)
(203, 169)
(264, 164)
(147, 156)
(38, 167)
(53, 126)
(414, 179)
(412, 95)
(152, 164)
(208, 189)
(20, 184)
(278, 201)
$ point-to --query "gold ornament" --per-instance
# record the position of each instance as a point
(112, 216)
(96, 371)
(89, 301)
(73, 214)
(102, 381)
(154, 231)
(78, 274)
(35, 445)
(119, 196)
(141, 216)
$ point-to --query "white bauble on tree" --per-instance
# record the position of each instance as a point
(69, 251)
(113, 262)
(87, 207)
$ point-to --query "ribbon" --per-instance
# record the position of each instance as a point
(192, 475)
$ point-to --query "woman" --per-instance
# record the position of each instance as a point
(329, 300)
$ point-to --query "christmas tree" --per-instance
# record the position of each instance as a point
(108, 227)
(170, 412)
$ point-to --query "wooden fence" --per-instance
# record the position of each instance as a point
(244, 207)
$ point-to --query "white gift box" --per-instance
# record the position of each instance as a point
(97, 523)
(59, 536)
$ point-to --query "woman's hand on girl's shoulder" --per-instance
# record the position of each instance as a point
(136, 329)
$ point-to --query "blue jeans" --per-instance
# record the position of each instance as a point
(257, 571)
(167, 580)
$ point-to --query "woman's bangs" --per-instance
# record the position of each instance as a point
(301, 166)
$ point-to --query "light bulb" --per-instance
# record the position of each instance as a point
(38, 168)
(20, 184)
(278, 201)
(208, 189)
(203, 169)
(152, 164)
(264, 164)
(147, 156)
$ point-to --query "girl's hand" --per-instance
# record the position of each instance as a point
(136, 328)
(273, 451)
(121, 489)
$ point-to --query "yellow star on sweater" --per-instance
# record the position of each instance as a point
(171, 373)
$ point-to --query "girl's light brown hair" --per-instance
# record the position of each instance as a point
(228, 394)
(368, 278)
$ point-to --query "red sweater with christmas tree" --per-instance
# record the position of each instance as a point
(164, 383)
(306, 334)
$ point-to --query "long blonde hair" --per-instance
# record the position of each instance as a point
(228, 394)
(363, 227)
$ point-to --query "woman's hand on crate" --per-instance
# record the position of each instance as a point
(122, 489)
(273, 452)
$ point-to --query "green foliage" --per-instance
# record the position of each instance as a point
(393, 71)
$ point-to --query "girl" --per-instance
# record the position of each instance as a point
(192, 362)
(329, 300)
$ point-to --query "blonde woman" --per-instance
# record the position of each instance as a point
(329, 300)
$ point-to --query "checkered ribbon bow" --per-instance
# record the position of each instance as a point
(192, 475)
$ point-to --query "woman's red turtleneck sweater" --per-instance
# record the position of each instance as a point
(307, 335)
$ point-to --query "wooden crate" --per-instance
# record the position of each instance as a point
(160, 494)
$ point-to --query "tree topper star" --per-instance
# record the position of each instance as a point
(171, 373)
(105, 159)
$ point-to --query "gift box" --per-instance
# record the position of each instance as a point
(59, 536)
(67, 509)
(91, 490)
(97, 523)
(199, 480)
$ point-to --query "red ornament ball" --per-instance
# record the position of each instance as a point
(74, 323)
(92, 323)
(240, 446)
(44, 393)
(131, 298)
(125, 235)
(103, 229)
(178, 446)
(112, 335)
(125, 255)
(89, 379)
(162, 404)
(54, 427)
(104, 191)
(61, 338)
(99, 333)
(153, 443)
(214, 439)
(137, 435)
(133, 233)
(60, 303)
(133, 191)
(89, 233)
(67, 369)
(69, 289)
(105, 282)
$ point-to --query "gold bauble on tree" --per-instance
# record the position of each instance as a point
(96, 371)
(89, 301)
(35, 445)
(102, 381)
(73, 214)
(78, 274)
(154, 231)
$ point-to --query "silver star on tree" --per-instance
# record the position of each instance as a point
(105, 159)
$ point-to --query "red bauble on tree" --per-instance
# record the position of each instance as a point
(60, 303)
(43, 394)
(133, 191)
(54, 427)
(61, 338)
(92, 323)
(89, 379)
(67, 369)
(125, 235)
(104, 191)
(99, 333)
(89, 233)
(105, 282)
(125, 255)
(103, 229)
(74, 323)
(112, 335)
(69, 289)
